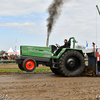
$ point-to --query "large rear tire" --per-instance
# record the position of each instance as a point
(29, 65)
(71, 64)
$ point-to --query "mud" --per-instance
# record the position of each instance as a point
(47, 86)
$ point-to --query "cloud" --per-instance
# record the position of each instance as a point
(26, 28)
(22, 7)
(17, 24)
(78, 19)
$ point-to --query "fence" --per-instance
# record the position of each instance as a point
(7, 61)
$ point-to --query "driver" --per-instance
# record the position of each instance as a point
(66, 44)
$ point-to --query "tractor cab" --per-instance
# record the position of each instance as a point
(56, 50)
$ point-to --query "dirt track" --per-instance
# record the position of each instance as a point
(14, 66)
(47, 86)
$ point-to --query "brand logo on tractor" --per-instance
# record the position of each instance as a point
(46, 55)
(38, 50)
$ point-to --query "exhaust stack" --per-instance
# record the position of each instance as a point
(47, 42)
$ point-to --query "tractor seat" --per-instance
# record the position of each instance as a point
(53, 48)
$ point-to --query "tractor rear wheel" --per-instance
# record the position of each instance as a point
(71, 64)
(29, 64)
(21, 66)
(54, 70)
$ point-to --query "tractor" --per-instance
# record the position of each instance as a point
(65, 62)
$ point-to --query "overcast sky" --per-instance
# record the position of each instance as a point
(25, 20)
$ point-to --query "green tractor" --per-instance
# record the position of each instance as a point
(65, 61)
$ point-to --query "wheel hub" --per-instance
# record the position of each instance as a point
(71, 63)
(29, 64)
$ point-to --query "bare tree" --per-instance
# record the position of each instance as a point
(2, 52)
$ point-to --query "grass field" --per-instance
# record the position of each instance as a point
(18, 70)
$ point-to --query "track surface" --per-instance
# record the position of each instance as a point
(47, 86)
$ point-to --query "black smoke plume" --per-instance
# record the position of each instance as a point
(54, 11)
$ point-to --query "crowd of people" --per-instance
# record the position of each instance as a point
(12, 57)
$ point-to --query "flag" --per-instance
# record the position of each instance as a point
(16, 45)
(86, 45)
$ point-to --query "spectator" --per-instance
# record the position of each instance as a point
(5, 58)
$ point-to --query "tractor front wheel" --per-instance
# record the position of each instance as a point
(29, 65)
(21, 66)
